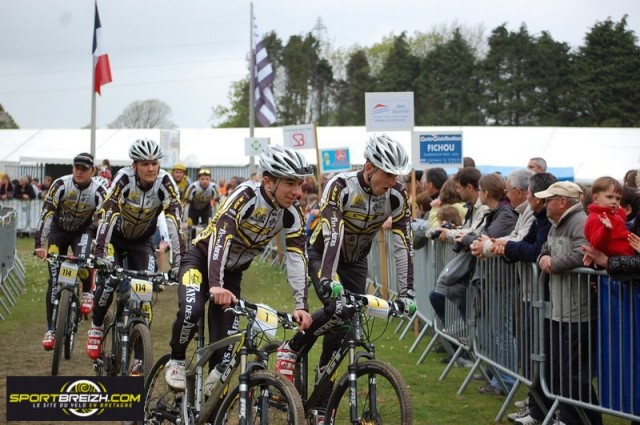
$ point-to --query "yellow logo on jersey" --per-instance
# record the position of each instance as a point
(133, 196)
(260, 214)
(192, 277)
(53, 249)
(358, 202)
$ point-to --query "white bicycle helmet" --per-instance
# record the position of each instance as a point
(386, 154)
(145, 150)
(282, 161)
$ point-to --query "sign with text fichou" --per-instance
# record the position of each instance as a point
(442, 149)
(389, 111)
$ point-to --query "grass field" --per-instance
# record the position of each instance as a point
(434, 401)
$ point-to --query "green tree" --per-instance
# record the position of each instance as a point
(236, 115)
(299, 64)
(349, 101)
(447, 90)
(6, 120)
(606, 74)
(321, 88)
(550, 68)
(400, 68)
(506, 84)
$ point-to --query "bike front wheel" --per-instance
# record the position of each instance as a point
(382, 397)
(72, 328)
(61, 330)
(271, 400)
(140, 358)
(161, 404)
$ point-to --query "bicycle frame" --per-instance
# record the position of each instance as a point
(192, 403)
(348, 350)
(128, 312)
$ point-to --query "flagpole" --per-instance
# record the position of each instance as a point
(251, 86)
(93, 97)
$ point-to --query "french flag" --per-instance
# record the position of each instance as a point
(101, 58)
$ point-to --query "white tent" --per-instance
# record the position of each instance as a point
(591, 152)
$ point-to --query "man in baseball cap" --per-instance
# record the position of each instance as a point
(84, 159)
(564, 189)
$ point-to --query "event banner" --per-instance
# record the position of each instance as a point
(75, 398)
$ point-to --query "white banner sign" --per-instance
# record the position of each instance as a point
(254, 145)
(170, 145)
(389, 111)
(299, 136)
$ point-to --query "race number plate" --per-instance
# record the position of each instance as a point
(266, 320)
(142, 289)
(68, 273)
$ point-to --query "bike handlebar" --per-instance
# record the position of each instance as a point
(244, 308)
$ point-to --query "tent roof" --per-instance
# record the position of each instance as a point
(590, 152)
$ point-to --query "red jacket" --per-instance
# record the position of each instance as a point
(610, 242)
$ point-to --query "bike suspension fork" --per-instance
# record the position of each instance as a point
(353, 388)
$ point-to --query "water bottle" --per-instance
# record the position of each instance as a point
(212, 380)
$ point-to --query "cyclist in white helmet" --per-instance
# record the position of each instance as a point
(127, 222)
(353, 208)
(240, 230)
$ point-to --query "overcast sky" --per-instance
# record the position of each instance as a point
(187, 52)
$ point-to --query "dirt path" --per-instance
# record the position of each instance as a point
(21, 352)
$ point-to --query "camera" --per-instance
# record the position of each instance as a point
(435, 234)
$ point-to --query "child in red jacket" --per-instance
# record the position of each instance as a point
(605, 227)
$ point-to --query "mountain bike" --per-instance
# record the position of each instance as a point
(261, 397)
(67, 292)
(126, 346)
(370, 391)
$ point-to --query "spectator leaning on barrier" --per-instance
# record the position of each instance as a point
(517, 189)
(571, 331)
(454, 278)
(6, 187)
(630, 203)
(67, 221)
(24, 190)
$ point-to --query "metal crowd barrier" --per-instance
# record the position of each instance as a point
(27, 213)
(510, 331)
(12, 273)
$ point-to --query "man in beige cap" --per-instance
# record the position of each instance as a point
(569, 373)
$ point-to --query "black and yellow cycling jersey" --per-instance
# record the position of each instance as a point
(351, 216)
(242, 228)
(132, 213)
(69, 207)
(199, 197)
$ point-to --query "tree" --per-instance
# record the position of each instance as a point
(550, 68)
(447, 90)
(400, 68)
(299, 63)
(506, 83)
(606, 74)
(237, 115)
(6, 120)
(349, 97)
(152, 113)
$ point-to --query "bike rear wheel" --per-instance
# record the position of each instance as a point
(382, 397)
(272, 400)
(60, 331)
(161, 404)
